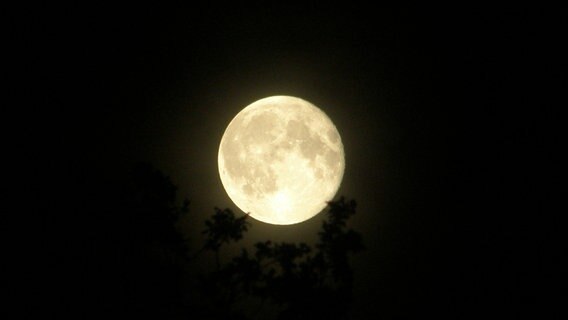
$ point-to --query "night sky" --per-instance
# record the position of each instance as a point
(439, 125)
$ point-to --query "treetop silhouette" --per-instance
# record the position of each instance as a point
(146, 267)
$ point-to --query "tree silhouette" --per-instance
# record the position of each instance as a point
(141, 255)
(148, 271)
(301, 281)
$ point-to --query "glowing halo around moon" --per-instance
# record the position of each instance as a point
(281, 160)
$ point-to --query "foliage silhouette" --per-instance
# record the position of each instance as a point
(301, 281)
(142, 262)
(139, 255)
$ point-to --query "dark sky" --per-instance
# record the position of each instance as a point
(438, 123)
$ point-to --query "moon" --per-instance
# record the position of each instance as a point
(281, 159)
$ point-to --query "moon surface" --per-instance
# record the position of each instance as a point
(281, 160)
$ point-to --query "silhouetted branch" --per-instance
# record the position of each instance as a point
(289, 274)
(298, 279)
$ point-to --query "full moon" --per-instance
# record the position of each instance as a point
(281, 160)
